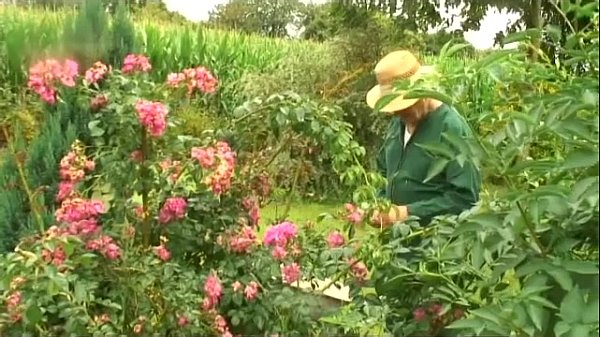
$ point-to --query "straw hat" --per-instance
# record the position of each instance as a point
(396, 66)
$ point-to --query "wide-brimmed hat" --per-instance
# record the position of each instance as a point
(396, 66)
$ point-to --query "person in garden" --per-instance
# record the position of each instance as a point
(404, 163)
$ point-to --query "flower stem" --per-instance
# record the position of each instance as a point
(144, 177)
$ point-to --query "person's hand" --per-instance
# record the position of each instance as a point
(395, 214)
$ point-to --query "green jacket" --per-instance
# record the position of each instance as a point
(453, 191)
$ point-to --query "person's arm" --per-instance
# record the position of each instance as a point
(462, 193)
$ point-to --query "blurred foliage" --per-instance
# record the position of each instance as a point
(272, 18)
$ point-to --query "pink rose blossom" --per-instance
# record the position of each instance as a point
(213, 289)
(355, 214)
(244, 240)
(206, 157)
(162, 252)
(251, 290)
(133, 63)
(96, 73)
(65, 190)
(112, 251)
(279, 253)
(236, 286)
(359, 270)
(198, 78)
(173, 209)
(57, 256)
(45, 75)
(153, 116)
(183, 320)
(207, 304)
(221, 324)
(335, 239)
(280, 234)
(219, 158)
(106, 246)
(419, 315)
(290, 273)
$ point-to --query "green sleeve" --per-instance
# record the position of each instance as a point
(382, 169)
(461, 193)
(461, 190)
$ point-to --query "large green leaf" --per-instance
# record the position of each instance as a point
(384, 101)
(423, 93)
(562, 277)
(573, 306)
(581, 267)
(33, 314)
(581, 158)
(538, 315)
(521, 36)
(491, 59)
(590, 316)
(449, 50)
(436, 168)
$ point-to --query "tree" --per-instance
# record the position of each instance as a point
(271, 18)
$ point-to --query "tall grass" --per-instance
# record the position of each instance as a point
(228, 54)
(24, 37)
(29, 35)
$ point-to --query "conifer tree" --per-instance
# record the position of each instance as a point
(87, 35)
(29, 174)
(122, 35)
(28, 179)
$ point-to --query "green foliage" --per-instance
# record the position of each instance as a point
(299, 137)
(524, 262)
(29, 180)
(87, 35)
(119, 261)
(265, 17)
(195, 122)
(87, 295)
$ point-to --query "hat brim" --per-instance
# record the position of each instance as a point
(399, 103)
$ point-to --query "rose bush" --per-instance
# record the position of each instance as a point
(157, 232)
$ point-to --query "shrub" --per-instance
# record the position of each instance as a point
(524, 262)
(156, 232)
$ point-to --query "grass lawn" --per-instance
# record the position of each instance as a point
(301, 212)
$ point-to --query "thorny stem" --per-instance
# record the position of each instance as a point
(364, 173)
(145, 192)
(531, 229)
(528, 224)
(339, 276)
(35, 208)
(279, 149)
(288, 203)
